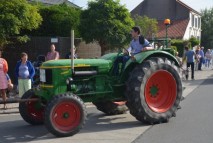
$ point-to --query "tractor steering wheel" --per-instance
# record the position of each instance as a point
(124, 52)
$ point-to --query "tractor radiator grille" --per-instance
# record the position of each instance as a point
(48, 74)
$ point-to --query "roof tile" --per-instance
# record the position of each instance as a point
(176, 30)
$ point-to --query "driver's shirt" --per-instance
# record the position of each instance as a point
(136, 47)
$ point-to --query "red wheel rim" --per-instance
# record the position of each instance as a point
(160, 91)
(35, 110)
(66, 116)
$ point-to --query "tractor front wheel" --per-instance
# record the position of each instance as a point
(65, 115)
(111, 108)
(31, 111)
(154, 90)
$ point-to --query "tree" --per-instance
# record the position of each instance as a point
(15, 16)
(207, 28)
(107, 22)
(58, 20)
(148, 25)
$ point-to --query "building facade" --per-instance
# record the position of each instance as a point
(185, 21)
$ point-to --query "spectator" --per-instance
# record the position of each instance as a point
(10, 85)
(24, 73)
(208, 57)
(68, 55)
(189, 56)
(3, 79)
(53, 54)
(212, 57)
(197, 57)
(202, 60)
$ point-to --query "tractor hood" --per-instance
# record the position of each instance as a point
(101, 64)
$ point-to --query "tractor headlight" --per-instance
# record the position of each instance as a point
(42, 75)
(69, 80)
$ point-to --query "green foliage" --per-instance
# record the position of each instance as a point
(174, 48)
(15, 16)
(194, 41)
(107, 22)
(179, 44)
(58, 20)
(148, 25)
(207, 27)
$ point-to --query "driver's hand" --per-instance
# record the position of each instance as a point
(133, 58)
(144, 49)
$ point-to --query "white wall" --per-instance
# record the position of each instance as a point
(194, 28)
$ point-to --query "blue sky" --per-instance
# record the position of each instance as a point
(130, 4)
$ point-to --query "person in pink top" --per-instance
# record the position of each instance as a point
(53, 54)
(3, 79)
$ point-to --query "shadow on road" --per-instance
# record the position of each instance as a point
(20, 131)
(102, 123)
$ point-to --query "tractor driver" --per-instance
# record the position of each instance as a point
(137, 45)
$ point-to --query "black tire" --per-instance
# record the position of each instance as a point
(31, 111)
(111, 108)
(141, 100)
(65, 115)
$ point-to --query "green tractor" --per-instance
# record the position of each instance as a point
(149, 87)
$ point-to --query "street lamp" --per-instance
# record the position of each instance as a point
(167, 23)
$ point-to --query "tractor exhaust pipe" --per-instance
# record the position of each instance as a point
(72, 51)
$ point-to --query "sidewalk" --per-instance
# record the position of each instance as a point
(190, 85)
(11, 108)
(200, 77)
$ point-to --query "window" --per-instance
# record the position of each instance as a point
(199, 22)
(192, 19)
(196, 22)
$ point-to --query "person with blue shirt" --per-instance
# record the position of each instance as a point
(202, 58)
(137, 45)
(24, 73)
(189, 56)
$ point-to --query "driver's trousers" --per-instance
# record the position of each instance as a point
(120, 59)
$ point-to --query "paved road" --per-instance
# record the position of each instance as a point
(99, 128)
(193, 124)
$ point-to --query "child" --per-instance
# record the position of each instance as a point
(10, 85)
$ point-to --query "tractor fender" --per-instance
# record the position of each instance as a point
(140, 57)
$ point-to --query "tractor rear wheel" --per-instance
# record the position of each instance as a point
(154, 90)
(31, 111)
(65, 115)
(111, 108)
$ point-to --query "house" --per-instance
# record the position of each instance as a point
(55, 2)
(185, 21)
